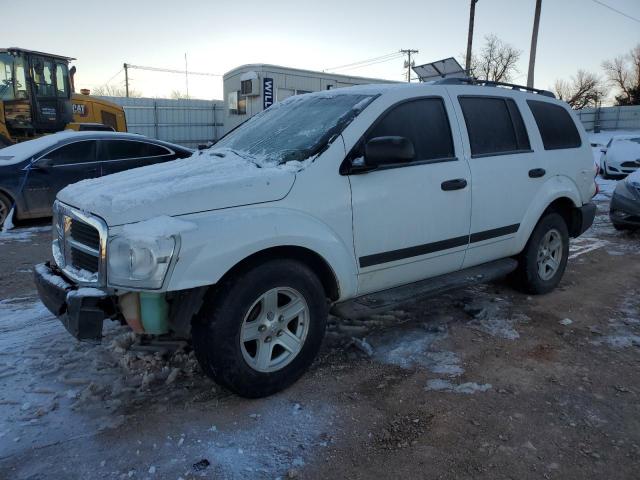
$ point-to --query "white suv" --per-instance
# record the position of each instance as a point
(350, 201)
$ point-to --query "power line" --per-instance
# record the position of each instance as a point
(616, 10)
(398, 55)
(169, 70)
(109, 81)
(340, 67)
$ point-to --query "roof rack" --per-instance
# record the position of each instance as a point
(490, 83)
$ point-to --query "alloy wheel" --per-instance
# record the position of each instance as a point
(274, 329)
(549, 255)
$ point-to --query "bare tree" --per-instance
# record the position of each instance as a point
(585, 89)
(623, 73)
(179, 95)
(497, 61)
(111, 91)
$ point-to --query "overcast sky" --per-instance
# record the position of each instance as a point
(220, 35)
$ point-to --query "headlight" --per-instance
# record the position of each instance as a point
(139, 262)
(633, 185)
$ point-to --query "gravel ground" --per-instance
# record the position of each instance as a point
(481, 383)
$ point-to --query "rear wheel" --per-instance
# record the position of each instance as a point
(543, 261)
(259, 331)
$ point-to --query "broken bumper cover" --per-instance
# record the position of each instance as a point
(82, 315)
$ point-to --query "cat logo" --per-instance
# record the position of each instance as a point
(80, 109)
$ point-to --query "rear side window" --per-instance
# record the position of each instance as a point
(422, 121)
(494, 125)
(123, 149)
(556, 126)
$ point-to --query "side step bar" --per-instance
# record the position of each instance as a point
(387, 299)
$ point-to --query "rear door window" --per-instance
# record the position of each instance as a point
(74, 153)
(128, 149)
(556, 126)
(494, 125)
(424, 122)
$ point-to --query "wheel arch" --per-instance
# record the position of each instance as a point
(565, 207)
(558, 194)
(319, 265)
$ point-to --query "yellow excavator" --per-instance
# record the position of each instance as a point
(37, 97)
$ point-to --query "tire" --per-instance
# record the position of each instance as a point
(604, 174)
(5, 208)
(619, 226)
(534, 261)
(240, 307)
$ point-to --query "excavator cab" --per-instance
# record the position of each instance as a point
(35, 93)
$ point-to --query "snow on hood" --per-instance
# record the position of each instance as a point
(624, 150)
(208, 180)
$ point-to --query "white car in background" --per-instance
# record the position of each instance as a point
(621, 156)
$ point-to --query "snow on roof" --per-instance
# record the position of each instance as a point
(23, 150)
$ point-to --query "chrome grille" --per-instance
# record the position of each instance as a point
(84, 261)
(79, 245)
(85, 234)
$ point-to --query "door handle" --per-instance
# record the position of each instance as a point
(456, 184)
(537, 172)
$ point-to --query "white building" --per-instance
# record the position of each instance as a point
(249, 89)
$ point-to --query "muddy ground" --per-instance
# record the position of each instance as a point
(482, 383)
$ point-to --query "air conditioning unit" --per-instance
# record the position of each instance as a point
(249, 84)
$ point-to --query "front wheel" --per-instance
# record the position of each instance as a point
(5, 208)
(544, 259)
(260, 330)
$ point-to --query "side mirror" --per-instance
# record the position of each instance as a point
(209, 144)
(388, 151)
(44, 164)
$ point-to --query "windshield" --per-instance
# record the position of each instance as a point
(297, 128)
(6, 77)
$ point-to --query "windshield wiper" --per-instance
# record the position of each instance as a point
(243, 155)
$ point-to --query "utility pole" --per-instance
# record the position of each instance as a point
(472, 16)
(186, 74)
(408, 63)
(534, 44)
(126, 79)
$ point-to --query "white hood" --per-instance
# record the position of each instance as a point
(208, 180)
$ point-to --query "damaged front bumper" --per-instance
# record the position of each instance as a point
(81, 310)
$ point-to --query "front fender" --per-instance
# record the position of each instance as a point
(226, 237)
(553, 189)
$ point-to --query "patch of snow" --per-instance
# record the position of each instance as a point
(416, 348)
(440, 385)
(605, 189)
(566, 322)
(489, 316)
(8, 221)
(22, 235)
(86, 292)
(581, 245)
(625, 325)
(53, 279)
